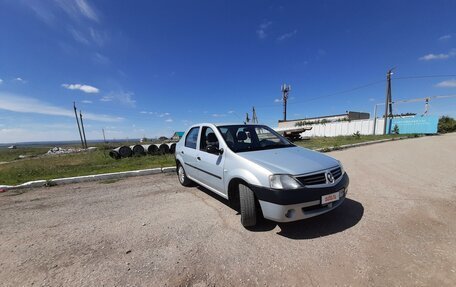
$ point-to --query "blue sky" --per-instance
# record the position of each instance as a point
(149, 68)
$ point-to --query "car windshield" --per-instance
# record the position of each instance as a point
(242, 138)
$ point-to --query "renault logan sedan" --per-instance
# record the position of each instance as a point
(260, 172)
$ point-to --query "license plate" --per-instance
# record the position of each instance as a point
(330, 198)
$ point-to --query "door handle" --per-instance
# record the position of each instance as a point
(198, 158)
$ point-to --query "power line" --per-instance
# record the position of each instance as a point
(342, 92)
(422, 77)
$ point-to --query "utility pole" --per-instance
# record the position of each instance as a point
(104, 137)
(426, 106)
(285, 90)
(83, 131)
(375, 118)
(388, 101)
(254, 116)
(247, 120)
(77, 121)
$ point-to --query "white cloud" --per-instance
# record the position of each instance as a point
(86, 10)
(441, 56)
(42, 11)
(261, 34)
(218, 115)
(277, 100)
(445, 37)
(77, 9)
(15, 103)
(261, 31)
(231, 112)
(164, 115)
(98, 37)
(287, 35)
(106, 99)
(85, 88)
(1, 81)
(143, 112)
(169, 120)
(20, 80)
(125, 98)
(430, 57)
(447, 84)
(78, 36)
(86, 102)
(265, 25)
(101, 59)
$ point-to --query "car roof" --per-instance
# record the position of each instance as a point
(226, 124)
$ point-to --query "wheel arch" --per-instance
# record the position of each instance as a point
(233, 191)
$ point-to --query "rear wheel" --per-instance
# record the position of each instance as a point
(182, 176)
(249, 209)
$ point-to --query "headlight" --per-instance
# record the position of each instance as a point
(341, 168)
(283, 181)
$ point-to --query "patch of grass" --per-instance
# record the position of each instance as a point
(327, 142)
(95, 162)
(13, 154)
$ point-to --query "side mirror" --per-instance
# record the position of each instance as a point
(214, 150)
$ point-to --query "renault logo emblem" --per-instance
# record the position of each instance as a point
(329, 177)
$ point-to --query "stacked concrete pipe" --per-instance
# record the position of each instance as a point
(151, 149)
(172, 147)
(138, 150)
(164, 148)
(122, 151)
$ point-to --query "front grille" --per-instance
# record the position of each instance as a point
(336, 172)
(319, 178)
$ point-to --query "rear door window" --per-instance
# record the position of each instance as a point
(192, 138)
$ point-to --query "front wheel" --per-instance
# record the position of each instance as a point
(182, 176)
(249, 209)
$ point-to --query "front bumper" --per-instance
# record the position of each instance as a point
(297, 204)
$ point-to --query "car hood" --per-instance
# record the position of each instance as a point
(291, 160)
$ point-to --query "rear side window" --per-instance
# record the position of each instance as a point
(191, 138)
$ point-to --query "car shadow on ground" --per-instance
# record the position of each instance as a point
(347, 215)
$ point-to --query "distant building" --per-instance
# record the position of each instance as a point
(177, 136)
(348, 116)
(12, 147)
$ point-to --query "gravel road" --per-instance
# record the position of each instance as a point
(396, 228)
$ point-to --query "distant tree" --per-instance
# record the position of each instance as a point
(324, 121)
(163, 138)
(395, 129)
(446, 125)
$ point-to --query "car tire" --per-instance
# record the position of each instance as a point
(182, 176)
(248, 206)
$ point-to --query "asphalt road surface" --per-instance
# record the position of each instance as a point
(396, 228)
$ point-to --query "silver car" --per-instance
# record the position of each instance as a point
(260, 172)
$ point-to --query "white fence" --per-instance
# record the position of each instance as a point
(364, 127)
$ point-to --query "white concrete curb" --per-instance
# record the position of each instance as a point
(94, 177)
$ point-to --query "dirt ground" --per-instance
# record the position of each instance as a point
(396, 228)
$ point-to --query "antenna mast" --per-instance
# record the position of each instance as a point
(285, 90)
(254, 116)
